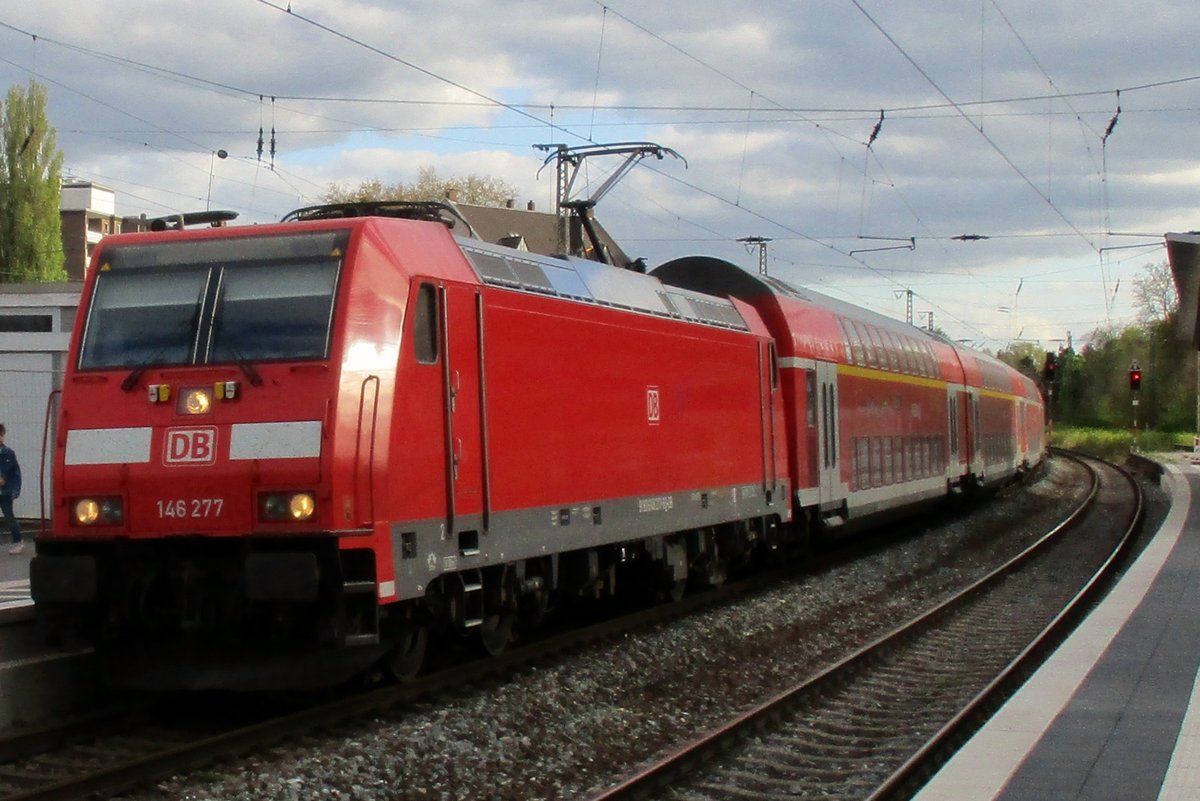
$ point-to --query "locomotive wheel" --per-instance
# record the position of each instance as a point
(407, 658)
(495, 632)
(535, 609)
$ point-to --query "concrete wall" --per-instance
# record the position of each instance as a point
(31, 368)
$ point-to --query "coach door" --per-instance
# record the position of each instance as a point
(959, 451)
(974, 438)
(827, 431)
(463, 394)
(768, 386)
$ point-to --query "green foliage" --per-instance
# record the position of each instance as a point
(1092, 390)
(1024, 356)
(477, 190)
(1115, 444)
(30, 190)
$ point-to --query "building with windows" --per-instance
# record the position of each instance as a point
(88, 214)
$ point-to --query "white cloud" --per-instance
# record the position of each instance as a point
(1041, 185)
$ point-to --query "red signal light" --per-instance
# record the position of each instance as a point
(1135, 380)
(1050, 368)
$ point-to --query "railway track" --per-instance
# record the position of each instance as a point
(120, 754)
(117, 749)
(876, 724)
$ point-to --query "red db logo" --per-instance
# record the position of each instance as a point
(653, 406)
(190, 445)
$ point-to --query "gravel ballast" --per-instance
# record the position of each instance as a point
(566, 729)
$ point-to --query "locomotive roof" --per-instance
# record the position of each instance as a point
(591, 282)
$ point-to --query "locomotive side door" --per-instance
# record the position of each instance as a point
(462, 395)
(827, 431)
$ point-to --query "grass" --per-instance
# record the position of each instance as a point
(1114, 444)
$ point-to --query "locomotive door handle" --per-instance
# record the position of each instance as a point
(456, 456)
(455, 386)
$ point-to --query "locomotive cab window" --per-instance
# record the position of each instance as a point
(147, 317)
(274, 313)
(425, 325)
(211, 301)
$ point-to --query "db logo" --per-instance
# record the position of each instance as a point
(190, 445)
(653, 406)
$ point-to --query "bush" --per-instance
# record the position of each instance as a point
(1114, 444)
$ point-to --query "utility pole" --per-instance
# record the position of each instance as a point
(908, 305)
(560, 193)
(761, 242)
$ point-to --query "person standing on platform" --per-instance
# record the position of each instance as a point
(10, 490)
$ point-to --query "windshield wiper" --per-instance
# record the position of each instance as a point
(247, 367)
(135, 374)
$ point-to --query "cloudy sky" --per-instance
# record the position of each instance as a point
(994, 122)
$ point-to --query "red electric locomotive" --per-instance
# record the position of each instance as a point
(285, 451)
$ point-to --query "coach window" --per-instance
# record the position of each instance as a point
(893, 349)
(425, 325)
(914, 348)
(881, 347)
(868, 346)
(856, 345)
(810, 395)
(954, 424)
(909, 355)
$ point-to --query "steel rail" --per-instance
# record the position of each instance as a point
(922, 764)
(689, 757)
(122, 773)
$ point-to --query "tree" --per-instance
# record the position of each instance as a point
(478, 190)
(1024, 356)
(30, 190)
(1154, 293)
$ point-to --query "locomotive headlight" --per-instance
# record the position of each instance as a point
(276, 507)
(196, 400)
(87, 512)
(301, 506)
(98, 511)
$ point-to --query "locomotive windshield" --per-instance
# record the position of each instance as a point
(211, 301)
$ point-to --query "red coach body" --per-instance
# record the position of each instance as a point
(881, 415)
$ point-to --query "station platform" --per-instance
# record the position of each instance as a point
(1114, 713)
(14, 572)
